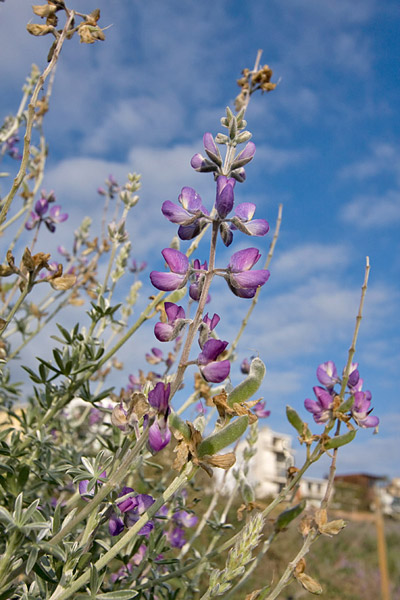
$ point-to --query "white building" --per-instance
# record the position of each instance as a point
(268, 469)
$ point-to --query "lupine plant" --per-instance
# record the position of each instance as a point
(98, 486)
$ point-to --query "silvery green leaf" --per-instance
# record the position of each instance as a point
(31, 560)
(6, 516)
(18, 508)
(28, 512)
(117, 595)
(88, 465)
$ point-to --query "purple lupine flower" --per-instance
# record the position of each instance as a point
(134, 383)
(361, 410)
(176, 537)
(185, 518)
(322, 408)
(132, 508)
(190, 215)
(179, 266)
(166, 332)
(155, 357)
(213, 370)
(197, 285)
(327, 374)
(140, 505)
(243, 220)
(213, 322)
(225, 196)
(241, 280)
(135, 268)
(259, 410)
(54, 217)
(11, 145)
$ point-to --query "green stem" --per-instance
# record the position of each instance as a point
(8, 555)
(14, 309)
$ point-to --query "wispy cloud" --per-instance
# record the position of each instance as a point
(367, 211)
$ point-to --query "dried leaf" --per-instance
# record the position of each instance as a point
(35, 29)
(310, 584)
(6, 271)
(27, 260)
(333, 527)
(65, 282)
(44, 10)
(223, 461)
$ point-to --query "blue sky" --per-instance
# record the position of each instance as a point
(327, 148)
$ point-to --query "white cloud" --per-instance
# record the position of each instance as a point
(367, 211)
(308, 259)
(383, 158)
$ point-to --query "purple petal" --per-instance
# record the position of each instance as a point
(249, 279)
(257, 227)
(226, 234)
(211, 350)
(327, 374)
(167, 282)
(245, 156)
(175, 213)
(41, 206)
(324, 398)
(177, 261)
(129, 503)
(369, 421)
(259, 410)
(188, 232)
(185, 518)
(211, 148)
(158, 438)
(201, 164)
(243, 260)
(216, 372)
(144, 501)
(312, 406)
(190, 199)
(158, 397)
(57, 215)
(243, 292)
(115, 525)
(176, 537)
(173, 311)
(245, 211)
(163, 331)
(225, 196)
